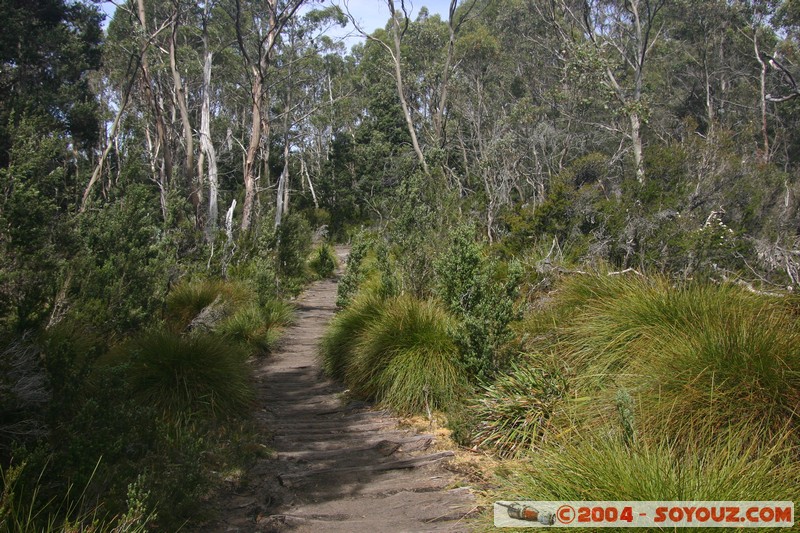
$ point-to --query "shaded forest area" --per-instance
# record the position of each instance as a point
(575, 231)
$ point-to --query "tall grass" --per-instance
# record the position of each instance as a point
(674, 392)
(398, 352)
(513, 413)
(408, 359)
(344, 332)
(685, 352)
(187, 299)
(257, 327)
(596, 467)
(277, 313)
(24, 509)
(247, 326)
(187, 375)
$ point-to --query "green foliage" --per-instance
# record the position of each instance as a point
(513, 413)
(35, 236)
(294, 245)
(414, 232)
(121, 272)
(68, 353)
(258, 268)
(323, 262)
(354, 273)
(388, 286)
(177, 476)
(50, 51)
(481, 296)
(186, 376)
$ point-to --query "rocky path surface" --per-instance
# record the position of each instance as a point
(340, 466)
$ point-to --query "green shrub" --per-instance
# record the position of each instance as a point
(513, 413)
(187, 375)
(120, 274)
(294, 245)
(354, 271)
(323, 262)
(477, 292)
(407, 358)
(344, 332)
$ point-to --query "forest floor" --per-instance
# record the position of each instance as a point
(338, 465)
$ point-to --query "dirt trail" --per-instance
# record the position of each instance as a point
(339, 466)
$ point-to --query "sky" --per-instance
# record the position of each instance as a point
(370, 14)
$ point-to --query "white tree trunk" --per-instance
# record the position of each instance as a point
(205, 140)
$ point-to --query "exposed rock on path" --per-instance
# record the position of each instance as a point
(339, 466)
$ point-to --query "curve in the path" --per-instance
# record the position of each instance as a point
(339, 466)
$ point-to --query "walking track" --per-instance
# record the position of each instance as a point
(340, 466)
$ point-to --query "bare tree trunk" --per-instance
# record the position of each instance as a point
(250, 160)
(161, 144)
(762, 97)
(304, 172)
(398, 77)
(438, 116)
(636, 142)
(98, 170)
(206, 145)
(180, 97)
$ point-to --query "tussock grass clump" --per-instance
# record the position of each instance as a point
(189, 298)
(257, 327)
(408, 359)
(600, 468)
(248, 327)
(688, 352)
(728, 357)
(345, 331)
(323, 262)
(186, 375)
(398, 352)
(422, 369)
(277, 313)
(513, 413)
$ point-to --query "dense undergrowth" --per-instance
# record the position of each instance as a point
(135, 430)
(591, 384)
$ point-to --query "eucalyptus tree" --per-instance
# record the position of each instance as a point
(617, 39)
(257, 25)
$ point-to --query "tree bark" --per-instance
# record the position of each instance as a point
(180, 97)
(762, 97)
(398, 77)
(206, 145)
(161, 144)
(252, 150)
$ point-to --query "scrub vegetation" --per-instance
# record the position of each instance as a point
(573, 227)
